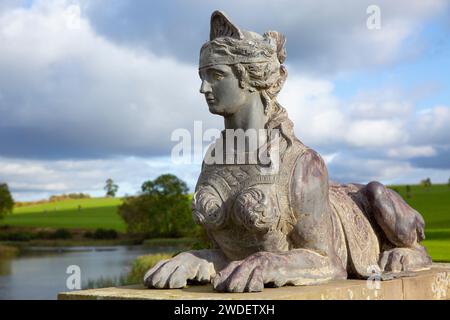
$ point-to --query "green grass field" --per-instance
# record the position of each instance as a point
(95, 213)
(432, 203)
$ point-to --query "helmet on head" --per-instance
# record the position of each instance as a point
(230, 45)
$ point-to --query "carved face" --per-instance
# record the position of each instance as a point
(221, 88)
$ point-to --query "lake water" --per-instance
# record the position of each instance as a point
(41, 273)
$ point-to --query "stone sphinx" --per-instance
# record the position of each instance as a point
(289, 226)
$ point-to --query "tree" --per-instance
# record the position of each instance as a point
(163, 209)
(408, 191)
(448, 182)
(165, 185)
(6, 200)
(426, 183)
(111, 188)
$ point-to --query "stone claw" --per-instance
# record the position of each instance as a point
(239, 276)
(175, 273)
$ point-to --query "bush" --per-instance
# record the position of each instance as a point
(163, 210)
(158, 217)
(61, 234)
(102, 234)
(6, 200)
(43, 235)
(16, 236)
(88, 234)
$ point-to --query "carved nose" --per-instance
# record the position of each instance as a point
(205, 87)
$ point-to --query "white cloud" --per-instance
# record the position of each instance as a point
(375, 133)
(321, 118)
(370, 106)
(72, 89)
(348, 167)
(432, 124)
(369, 137)
(317, 113)
(407, 152)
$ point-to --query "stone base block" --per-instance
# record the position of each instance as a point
(431, 284)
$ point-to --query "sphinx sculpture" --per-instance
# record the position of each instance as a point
(289, 226)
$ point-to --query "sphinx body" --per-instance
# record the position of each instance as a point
(293, 227)
(309, 229)
(289, 226)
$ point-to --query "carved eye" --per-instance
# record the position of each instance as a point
(217, 76)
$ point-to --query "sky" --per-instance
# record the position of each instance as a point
(95, 89)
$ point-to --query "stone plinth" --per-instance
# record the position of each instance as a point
(430, 285)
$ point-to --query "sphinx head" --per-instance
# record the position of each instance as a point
(235, 65)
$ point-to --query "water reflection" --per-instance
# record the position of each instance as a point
(40, 273)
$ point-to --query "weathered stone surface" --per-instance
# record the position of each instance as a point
(431, 284)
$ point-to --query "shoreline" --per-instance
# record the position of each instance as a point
(13, 248)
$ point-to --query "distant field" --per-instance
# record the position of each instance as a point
(434, 205)
(95, 213)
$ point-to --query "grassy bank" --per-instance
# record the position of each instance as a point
(143, 263)
(136, 274)
(8, 251)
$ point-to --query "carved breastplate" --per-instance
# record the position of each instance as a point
(246, 199)
(237, 194)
